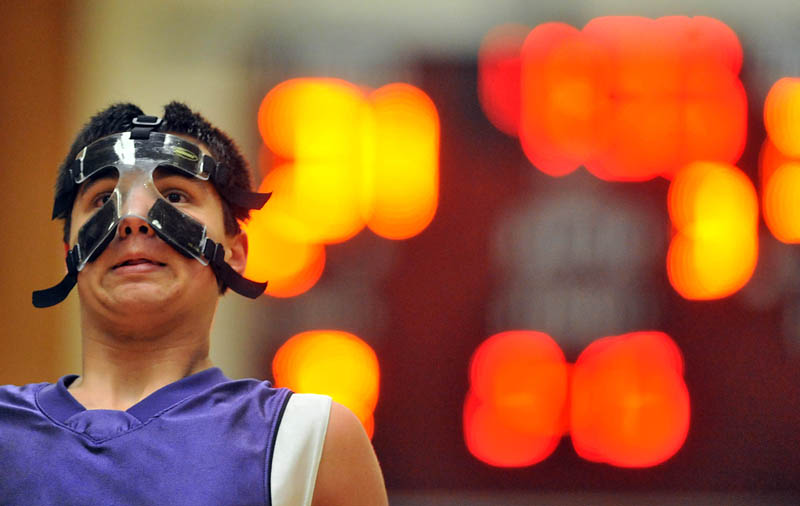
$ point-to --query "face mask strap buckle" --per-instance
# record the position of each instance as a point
(215, 253)
(143, 125)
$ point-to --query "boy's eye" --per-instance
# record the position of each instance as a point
(101, 199)
(175, 197)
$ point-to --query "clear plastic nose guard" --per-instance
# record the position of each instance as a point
(132, 172)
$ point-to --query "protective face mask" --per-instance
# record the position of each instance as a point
(143, 174)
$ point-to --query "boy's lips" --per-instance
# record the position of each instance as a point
(137, 260)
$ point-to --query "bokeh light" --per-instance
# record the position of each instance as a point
(769, 159)
(714, 210)
(558, 104)
(334, 363)
(781, 209)
(404, 178)
(514, 412)
(779, 160)
(279, 251)
(290, 267)
(339, 161)
(629, 403)
(318, 124)
(782, 115)
(313, 119)
(499, 67)
(631, 98)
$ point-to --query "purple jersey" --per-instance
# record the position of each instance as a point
(201, 440)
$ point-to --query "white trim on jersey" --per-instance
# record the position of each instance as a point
(298, 448)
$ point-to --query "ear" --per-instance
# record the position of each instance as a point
(236, 252)
(66, 249)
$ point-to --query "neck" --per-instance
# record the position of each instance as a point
(122, 366)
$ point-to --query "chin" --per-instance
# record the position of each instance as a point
(136, 295)
(138, 301)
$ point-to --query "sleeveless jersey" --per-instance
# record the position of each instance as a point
(202, 440)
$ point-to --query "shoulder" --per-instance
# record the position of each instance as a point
(348, 470)
(298, 449)
(25, 394)
(322, 453)
(18, 404)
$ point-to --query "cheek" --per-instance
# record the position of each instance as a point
(75, 224)
(88, 281)
(215, 224)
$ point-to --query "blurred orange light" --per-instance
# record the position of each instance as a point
(324, 198)
(313, 119)
(514, 412)
(629, 403)
(404, 179)
(769, 159)
(279, 250)
(782, 115)
(779, 160)
(319, 124)
(714, 209)
(499, 67)
(781, 209)
(334, 363)
(340, 162)
(289, 267)
(353, 161)
(630, 98)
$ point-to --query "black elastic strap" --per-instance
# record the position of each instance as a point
(215, 254)
(236, 196)
(63, 200)
(244, 198)
(55, 294)
(62, 203)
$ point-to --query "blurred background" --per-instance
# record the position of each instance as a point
(442, 178)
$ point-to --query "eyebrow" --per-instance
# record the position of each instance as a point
(167, 171)
(95, 178)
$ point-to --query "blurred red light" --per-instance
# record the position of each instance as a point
(631, 98)
(630, 405)
(514, 412)
(558, 107)
(499, 67)
(624, 401)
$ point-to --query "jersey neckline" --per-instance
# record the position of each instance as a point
(56, 401)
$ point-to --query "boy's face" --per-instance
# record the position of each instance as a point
(138, 273)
